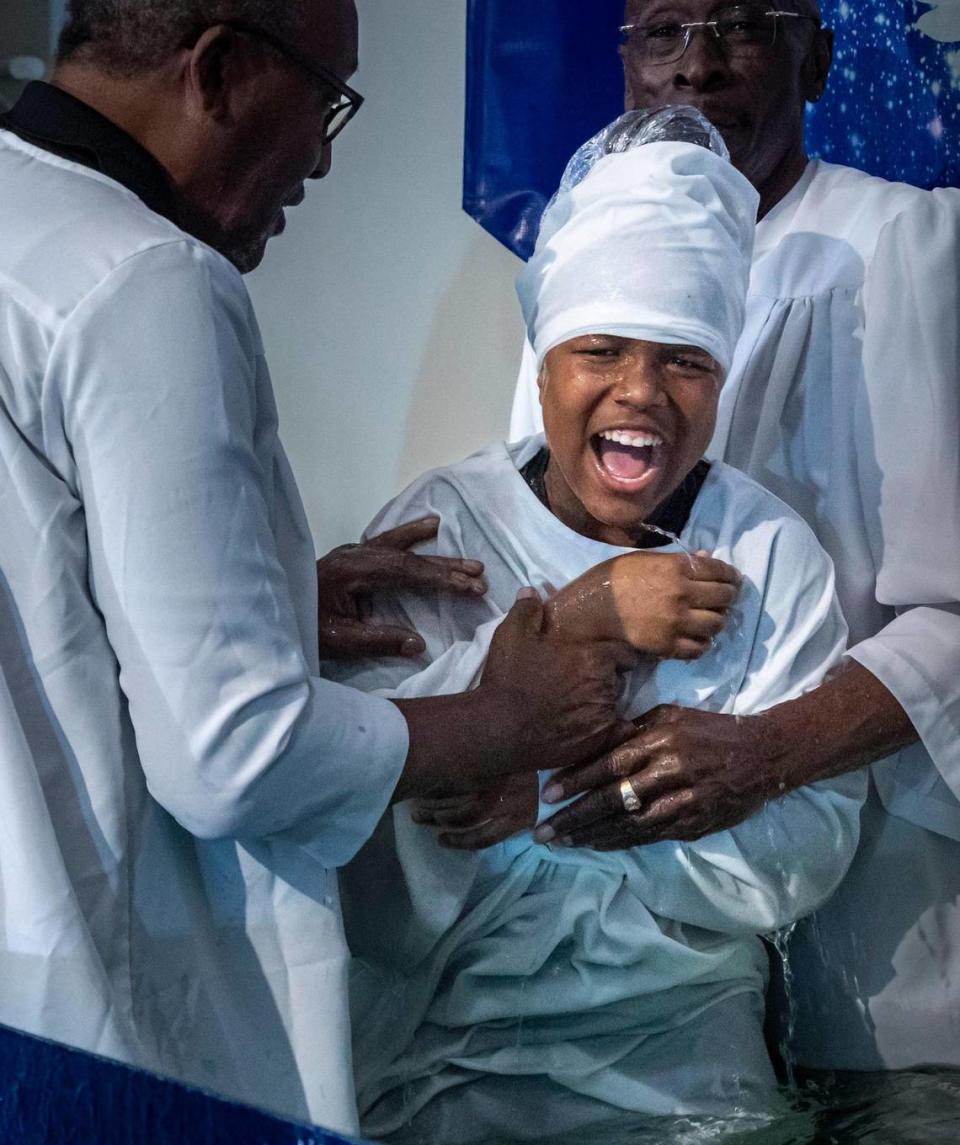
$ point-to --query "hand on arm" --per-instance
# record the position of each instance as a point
(698, 772)
(350, 575)
(542, 703)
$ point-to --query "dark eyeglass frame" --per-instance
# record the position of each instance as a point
(713, 25)
(350, 100)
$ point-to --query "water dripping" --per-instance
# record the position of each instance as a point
(780, 941)
(667, 535)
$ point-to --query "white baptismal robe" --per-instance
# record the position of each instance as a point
(844, 400)
(594, 970)
(159, 688)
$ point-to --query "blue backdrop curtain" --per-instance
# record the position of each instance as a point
(544, 75)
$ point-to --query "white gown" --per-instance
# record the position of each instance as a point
(628, 981)
(844, 400)
(159, 688)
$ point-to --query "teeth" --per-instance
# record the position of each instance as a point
(636, 440)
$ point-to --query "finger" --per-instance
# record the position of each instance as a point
(713, 594)
(347, 639)
(672, 816)
(403, 536)
(525, 618)
(467, 815)
(690, 648)
(478, 838)
(594, 807)
(617, 764)
(704, 567)
(703, 625)
(397, 569)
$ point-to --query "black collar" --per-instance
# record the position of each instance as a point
(57, 122)
(671, 515)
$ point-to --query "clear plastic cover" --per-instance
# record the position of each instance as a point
(638, 128)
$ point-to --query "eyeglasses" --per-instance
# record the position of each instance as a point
(741, 30)
(346, 102)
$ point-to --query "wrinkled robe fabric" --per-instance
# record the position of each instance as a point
(844, 400)
(159, 688)
(630, 980)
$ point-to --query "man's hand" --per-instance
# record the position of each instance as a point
(542, 703)
(697, 772)
(564, 693)
(483, 818)
(351, 574)
(670, 605)
(694, 773)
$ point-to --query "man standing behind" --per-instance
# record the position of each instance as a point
(842, 400)
(177, 782)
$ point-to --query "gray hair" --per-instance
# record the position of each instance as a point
(129, 37)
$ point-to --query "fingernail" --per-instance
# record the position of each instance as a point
(479, 587)
(412, 646)
(552, 793)
(528, 593)
(474, 567)
(544, 834)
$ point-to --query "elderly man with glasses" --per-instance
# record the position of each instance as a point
(177, 782)
(842, 399)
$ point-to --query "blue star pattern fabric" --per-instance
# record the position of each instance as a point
(543, 77)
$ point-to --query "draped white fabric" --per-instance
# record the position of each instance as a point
(843, 400)
(633, 979)
(159, 684)
(654, 243)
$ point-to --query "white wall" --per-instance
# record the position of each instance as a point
(390, 321)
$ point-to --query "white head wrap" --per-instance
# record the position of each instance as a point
(648, 240)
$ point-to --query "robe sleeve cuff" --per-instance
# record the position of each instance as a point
(917, 658)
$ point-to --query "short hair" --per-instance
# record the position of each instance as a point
(131, 37)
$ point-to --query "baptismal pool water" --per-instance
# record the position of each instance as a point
(910, 1107)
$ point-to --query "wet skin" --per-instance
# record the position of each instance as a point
(599, 384)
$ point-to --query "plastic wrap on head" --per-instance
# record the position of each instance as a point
(636, 129)
(652, 240)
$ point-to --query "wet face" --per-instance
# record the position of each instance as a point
(277, 143)
(757, 101)
(625, 421)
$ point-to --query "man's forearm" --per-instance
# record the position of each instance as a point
(458, 741)
(850, 721)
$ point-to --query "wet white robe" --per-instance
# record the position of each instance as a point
(844, 400)
(159, 688)
(630, 980)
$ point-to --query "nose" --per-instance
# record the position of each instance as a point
(639, 386)
(703, 66)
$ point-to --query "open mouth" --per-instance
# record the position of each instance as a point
(629, 460)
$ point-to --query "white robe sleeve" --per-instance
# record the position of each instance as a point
(526, 417)
(235, 735)
(908, 430)
(785, 861)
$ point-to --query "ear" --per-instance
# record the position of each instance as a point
(212, 70)
(816, 67)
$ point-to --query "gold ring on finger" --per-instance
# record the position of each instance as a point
(631, 801)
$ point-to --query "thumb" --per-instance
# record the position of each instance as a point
(526, 616)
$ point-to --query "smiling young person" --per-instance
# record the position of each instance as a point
(525, 991)
(842, 401)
